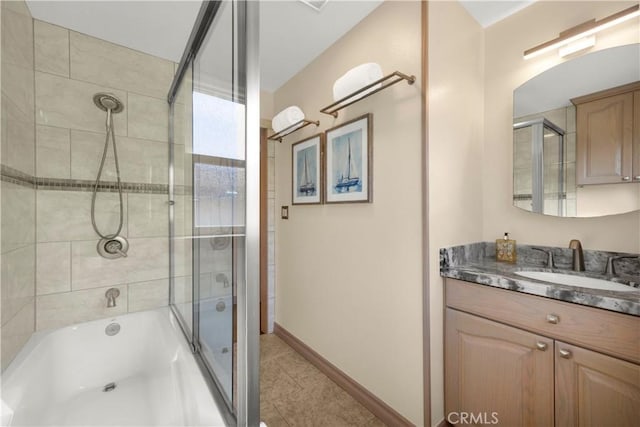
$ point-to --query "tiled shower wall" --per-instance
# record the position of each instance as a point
(17, 190)
(71, 277)
(271, 235)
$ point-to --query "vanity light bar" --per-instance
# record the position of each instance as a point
(577, 46)
(583, 30)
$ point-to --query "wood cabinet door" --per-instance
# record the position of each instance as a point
(604, 140)
(595, 390)
(496, 374)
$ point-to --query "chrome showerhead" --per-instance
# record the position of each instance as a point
(105, 101)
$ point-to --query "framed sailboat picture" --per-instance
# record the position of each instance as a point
(307, 171)
(348, 161)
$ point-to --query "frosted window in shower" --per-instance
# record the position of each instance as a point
(219, 137)
(219, 185)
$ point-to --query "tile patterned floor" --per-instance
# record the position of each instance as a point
(294, 393)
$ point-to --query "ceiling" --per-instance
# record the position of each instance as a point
(160, 28)
(292, 34)
(488, 13)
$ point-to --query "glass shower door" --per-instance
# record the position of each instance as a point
(219, 193)
(219, 208)
(212, 291)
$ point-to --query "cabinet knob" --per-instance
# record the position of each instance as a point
(565, 354)
(626, 178)
(553, 318)
(542, 346)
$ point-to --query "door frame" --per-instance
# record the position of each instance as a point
(264, 232)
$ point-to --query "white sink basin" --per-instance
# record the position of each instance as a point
(580, 281)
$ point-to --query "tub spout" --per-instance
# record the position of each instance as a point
(112, 294)
(222, 278)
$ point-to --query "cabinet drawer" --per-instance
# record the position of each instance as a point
(612, 333)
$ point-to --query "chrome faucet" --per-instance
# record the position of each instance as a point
(112, 294)
(611, 261)
(578, 258)
(549, 254)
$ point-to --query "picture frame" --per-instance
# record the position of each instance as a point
(349, 161)
(307, 171)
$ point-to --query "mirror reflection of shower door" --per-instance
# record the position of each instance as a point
(539, 179)
(208, 216)
(553, 175)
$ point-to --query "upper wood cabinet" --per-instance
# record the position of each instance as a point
(608, 136)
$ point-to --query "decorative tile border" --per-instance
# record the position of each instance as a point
(103, 186)
(14, 176)
(519, 197)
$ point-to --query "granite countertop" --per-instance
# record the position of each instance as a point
(477, 263)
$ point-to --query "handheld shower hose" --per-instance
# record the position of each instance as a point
(112, 244)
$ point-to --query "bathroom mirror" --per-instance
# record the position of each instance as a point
(544, 137)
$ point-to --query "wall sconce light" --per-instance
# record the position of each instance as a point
(582, 31)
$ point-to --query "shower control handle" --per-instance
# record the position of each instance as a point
(121, 253)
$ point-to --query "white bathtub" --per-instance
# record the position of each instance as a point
(59, 376)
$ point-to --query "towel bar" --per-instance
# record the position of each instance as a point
(294, 127)
(387, 81)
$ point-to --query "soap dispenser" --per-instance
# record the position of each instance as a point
(506, 249)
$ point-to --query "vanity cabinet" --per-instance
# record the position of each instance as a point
(608, 136)
(531, 360)
(497, 371)
(593, 389)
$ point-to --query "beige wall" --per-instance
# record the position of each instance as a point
(266, 108)
(349, 280)
(506, 70)
(456, 117)
(18, 199)
(71, 277)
